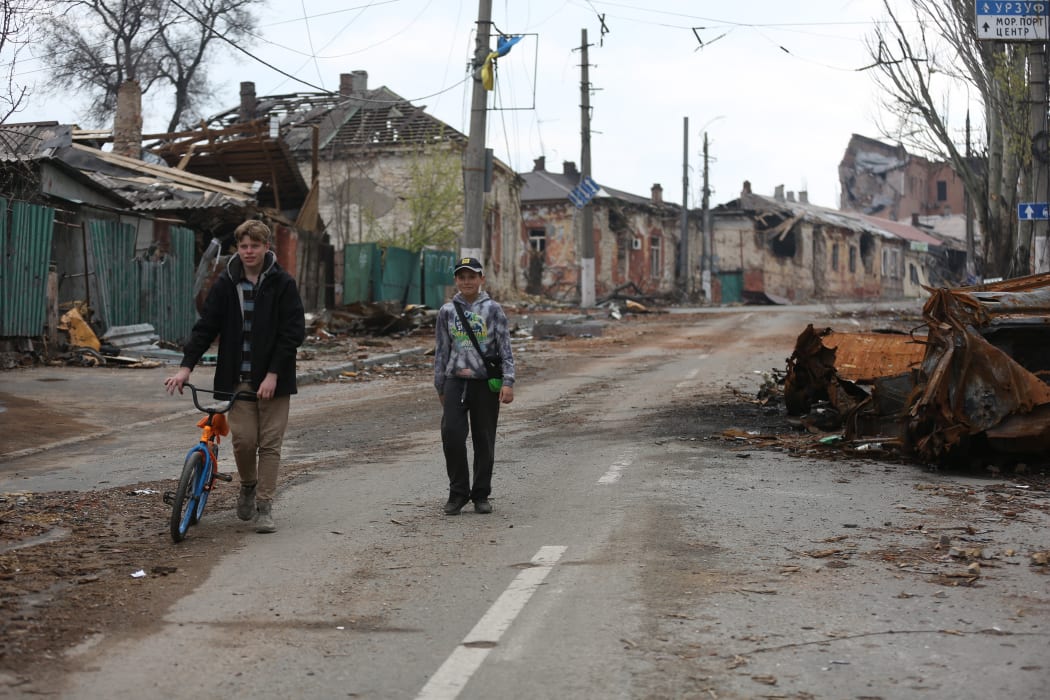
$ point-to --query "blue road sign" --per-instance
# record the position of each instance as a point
(1033, 211)
(583, 192)
(1012, 20)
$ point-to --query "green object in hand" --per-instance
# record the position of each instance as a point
(495, 385)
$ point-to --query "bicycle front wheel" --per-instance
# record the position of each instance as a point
(187, 505)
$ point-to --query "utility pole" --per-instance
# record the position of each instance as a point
(474, 157)
(684, 266)
(1037, 95)
(587, 234)
(708, 239)
(971, 257)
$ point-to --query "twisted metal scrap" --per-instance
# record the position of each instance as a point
(966, 385)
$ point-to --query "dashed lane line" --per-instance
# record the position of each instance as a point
(450, 679)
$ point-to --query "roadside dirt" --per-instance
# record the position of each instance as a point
(68, 559)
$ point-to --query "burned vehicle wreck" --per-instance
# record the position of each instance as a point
(969, 386)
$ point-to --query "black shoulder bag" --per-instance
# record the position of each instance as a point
(493, 363)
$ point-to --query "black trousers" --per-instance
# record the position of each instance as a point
(470, 408)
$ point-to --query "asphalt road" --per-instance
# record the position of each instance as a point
(634, 552)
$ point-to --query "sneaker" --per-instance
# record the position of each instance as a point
(263, 519)
(455, 504)
(482, 505)
(246, 502)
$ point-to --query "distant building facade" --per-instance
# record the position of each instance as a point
(635, 238)
(886, 181)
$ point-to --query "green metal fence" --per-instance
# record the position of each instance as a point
(371, 273)
(25, 257)
(116, 272)
(167, 288)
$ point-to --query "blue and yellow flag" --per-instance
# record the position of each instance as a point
(503, 47)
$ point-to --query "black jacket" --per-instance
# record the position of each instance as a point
(278, 327)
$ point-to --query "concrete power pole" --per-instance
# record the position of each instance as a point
(1041, 157)
(474, 157)
(587, 225)
(684, 266)
(971, 250)
(708, 238)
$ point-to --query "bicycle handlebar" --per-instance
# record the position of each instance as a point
(244, 395)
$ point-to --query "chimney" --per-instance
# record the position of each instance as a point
(658, 193)
(747, 187)
(353, 84)
(915, 219)
(803, 197)
(791, 196)
(539, 164)
(127, 123)
(246, 113)
(568, 167)
(778, 193)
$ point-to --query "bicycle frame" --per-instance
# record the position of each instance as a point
(200, 468)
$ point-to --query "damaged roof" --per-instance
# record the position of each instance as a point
(544, 186)
(793, 211)
(240, 153)
(367, 119)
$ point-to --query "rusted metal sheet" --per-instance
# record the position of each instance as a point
(980, 385)
(968, 386)
(863, 357)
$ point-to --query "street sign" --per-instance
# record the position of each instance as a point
(583, 192)
(1033, 211)
(1012, 21)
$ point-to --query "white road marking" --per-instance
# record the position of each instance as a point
(613, 475)
(449, 680)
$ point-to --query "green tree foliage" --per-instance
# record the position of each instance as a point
(94, 46)
(434, 202)
(917, 65)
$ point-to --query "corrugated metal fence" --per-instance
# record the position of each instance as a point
(167, 288)
(25, 247)
(141, 289)
(395, 274)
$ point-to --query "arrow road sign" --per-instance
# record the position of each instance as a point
(1033, 211)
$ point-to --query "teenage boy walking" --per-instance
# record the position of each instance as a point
(255, 310)
(471, 404)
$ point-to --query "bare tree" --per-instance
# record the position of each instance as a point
(15, 16)
(94, 46)
(917, 70)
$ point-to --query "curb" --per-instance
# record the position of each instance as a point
(317, 375)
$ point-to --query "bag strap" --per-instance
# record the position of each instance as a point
(468, 329)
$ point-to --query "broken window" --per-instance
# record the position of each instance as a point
(867, 252)
(852, 258)
(913, 273)
(655, 261)
(835, 256)
(784, 245)
(538, 239)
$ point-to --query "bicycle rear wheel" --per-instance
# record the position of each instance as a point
(187, 505)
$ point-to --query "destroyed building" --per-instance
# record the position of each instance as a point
(888, 182)
(384, 168)
(783, 249)
(636, 238)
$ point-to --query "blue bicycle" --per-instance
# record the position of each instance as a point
(201, 468)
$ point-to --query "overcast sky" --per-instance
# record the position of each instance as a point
(775, 84)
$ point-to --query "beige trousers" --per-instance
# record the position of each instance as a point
(258, 433)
